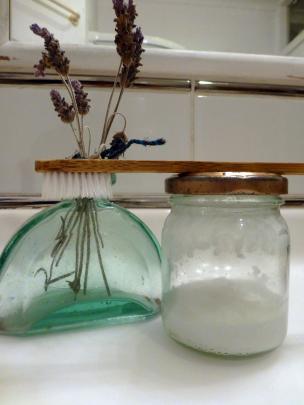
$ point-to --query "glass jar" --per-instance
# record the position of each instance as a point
(225, 272)
(81, 262)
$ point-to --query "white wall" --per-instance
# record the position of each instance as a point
(217, 25)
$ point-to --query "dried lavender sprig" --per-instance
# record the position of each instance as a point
(125, 18)
(80, 126)
(81, 96)
(129, 37)
(128, 74)
(129, 40)
(121, 8)
(65, 111)
(43, 64)
(131, 72)
(53, 57)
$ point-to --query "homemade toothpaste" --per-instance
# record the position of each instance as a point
(228, 317)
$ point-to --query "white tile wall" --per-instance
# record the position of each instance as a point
(30, 130)
(227, 127)
(250, 128)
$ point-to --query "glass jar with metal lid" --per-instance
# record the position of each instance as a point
(226, 263)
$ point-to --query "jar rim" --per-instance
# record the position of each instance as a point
(227, 183)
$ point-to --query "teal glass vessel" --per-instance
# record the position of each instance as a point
(81, 262)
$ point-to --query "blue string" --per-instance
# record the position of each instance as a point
(118, 146)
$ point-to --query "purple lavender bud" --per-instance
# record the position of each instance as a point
(118, 6)
(43, 64)
(39, 69)
(122, 8)
(131, 71)
(54, 57)
(36, 29)
(132, 11)
(41, 32)
(81, 97)
(138, 38)
(128, 40)
(64, 110)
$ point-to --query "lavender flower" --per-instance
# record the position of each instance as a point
(81, 98)
(65, 111)
(131, 72)
(122, 9)
(53, 57)
(124, 41)
(42, 65)
(128, 42)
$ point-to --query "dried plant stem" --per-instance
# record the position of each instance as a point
(54, 280)
(80, 128)
(67, 83)
(59, 249)
(70, 235)
(88, 232)
(111, 119)
(104, 135)
(82, 243)
(121, 115)
(95, 227)
(74, 132)
(81, 119)
(75, 284)
(90, 139)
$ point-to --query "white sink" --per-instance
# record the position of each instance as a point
(139, 364)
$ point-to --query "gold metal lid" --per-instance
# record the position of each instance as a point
(218, 183)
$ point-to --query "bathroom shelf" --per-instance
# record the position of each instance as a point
(164, 166)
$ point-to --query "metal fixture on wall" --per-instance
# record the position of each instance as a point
(202, 86)
(95, 81)
(249, 89)
(60, 8)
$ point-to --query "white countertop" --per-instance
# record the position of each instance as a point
(138, 364)
(18, 57)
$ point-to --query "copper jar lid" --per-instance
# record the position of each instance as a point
(227, 183)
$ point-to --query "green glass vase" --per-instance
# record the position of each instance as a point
(81, 262)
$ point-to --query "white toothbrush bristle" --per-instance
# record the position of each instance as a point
(63, 186)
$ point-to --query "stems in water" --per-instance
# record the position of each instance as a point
(83, 219)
